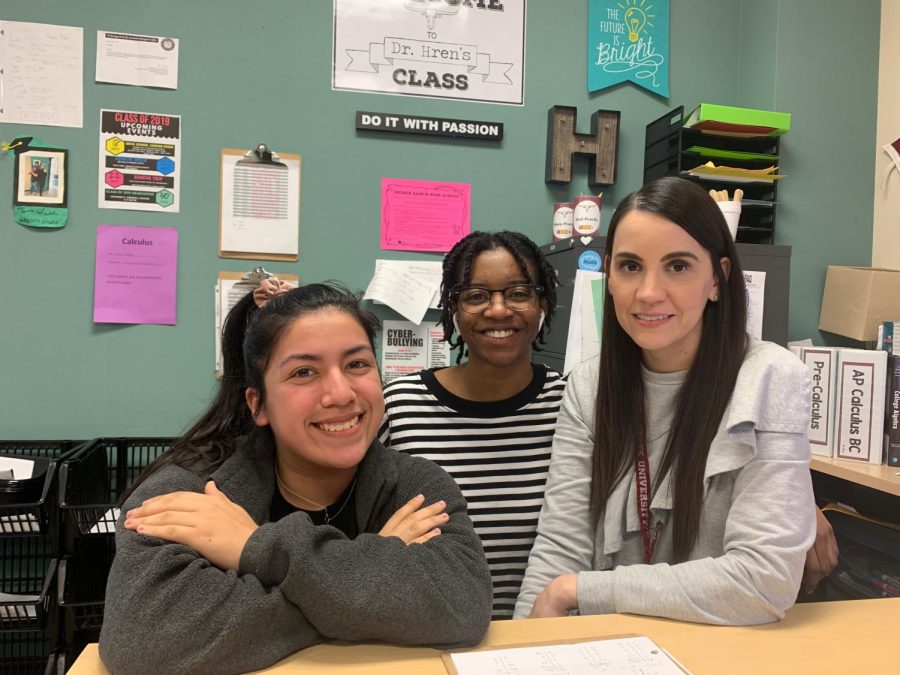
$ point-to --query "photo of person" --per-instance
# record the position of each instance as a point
(41, 177)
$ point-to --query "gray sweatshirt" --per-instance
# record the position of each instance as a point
(757, 520)
(169, 610)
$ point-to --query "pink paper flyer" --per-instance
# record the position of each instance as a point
(423, 215)
(135, 274)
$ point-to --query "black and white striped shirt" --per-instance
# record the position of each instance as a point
(498, 452)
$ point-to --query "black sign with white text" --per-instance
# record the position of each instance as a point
(429, 126)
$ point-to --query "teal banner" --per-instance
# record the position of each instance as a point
(628, 41)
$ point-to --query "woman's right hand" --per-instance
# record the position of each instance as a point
(268, 289)
(414, 523)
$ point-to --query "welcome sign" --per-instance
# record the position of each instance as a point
(628, 41)
(471, 50)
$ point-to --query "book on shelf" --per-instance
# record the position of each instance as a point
(886, 332)
(822, 365)
(861, 380)
(726, 119)
(892, 435)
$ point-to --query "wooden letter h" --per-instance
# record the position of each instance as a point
(600, 146)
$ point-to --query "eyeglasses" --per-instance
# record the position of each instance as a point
(476, 299)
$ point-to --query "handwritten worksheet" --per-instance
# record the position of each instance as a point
(637, 655)
(41, 74)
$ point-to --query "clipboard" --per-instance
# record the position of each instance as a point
(231, 287)
(259, 204)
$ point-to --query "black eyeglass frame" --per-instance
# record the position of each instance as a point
(455, 293)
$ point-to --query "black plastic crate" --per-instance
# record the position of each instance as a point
(93, 479)
(27, 569)
(24, 652)
(81, 590)
(37, 517)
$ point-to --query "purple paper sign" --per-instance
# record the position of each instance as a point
(135, 274)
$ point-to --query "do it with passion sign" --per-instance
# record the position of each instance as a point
(628, 41)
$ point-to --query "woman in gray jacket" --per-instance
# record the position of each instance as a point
(278, 521)
(679, 483)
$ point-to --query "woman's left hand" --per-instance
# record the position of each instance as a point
(558, 598)
(822, 557)
(208, 522)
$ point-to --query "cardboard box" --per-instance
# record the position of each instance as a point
(857, 299)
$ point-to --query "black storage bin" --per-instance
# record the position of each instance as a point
(668, 152)
(36, 516)
(24, 652)
(81, 590)
(92, 480)
(27, 568)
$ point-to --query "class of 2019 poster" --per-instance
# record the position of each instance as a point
(140, 161)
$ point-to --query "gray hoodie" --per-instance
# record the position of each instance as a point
(169, 610)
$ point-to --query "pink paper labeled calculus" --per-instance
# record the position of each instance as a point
(423, 215)
(135, 275)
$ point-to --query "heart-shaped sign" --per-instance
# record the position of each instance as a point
(586, 240)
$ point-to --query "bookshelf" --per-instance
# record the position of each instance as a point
(876, 476)
(669, 151)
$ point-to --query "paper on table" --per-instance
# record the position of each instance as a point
(260, 206)
(41, 67)
(144, 60)
(756, 292)
(637, 655)
(402, 289)
(135, 274)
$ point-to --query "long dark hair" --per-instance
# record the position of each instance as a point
(710, 380)
(457, 273)
(249, 337)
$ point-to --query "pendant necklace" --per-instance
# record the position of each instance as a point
(328, 518)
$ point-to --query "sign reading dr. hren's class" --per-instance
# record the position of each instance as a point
(628, 41)
(470, 50)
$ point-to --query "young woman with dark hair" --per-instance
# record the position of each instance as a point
(489, 419)
(679, 484)
(278, 521)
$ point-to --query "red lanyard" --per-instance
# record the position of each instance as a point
(642, 478)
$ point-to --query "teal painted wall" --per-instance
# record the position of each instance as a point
(64, 377)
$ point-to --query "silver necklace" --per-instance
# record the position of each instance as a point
(322, 507)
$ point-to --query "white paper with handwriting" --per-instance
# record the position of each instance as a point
(617, 656)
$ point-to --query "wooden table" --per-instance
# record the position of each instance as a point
(856, 636)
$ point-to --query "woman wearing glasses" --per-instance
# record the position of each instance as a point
(488, 421)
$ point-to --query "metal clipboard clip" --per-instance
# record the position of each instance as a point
(254, 277)
(261, 156)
